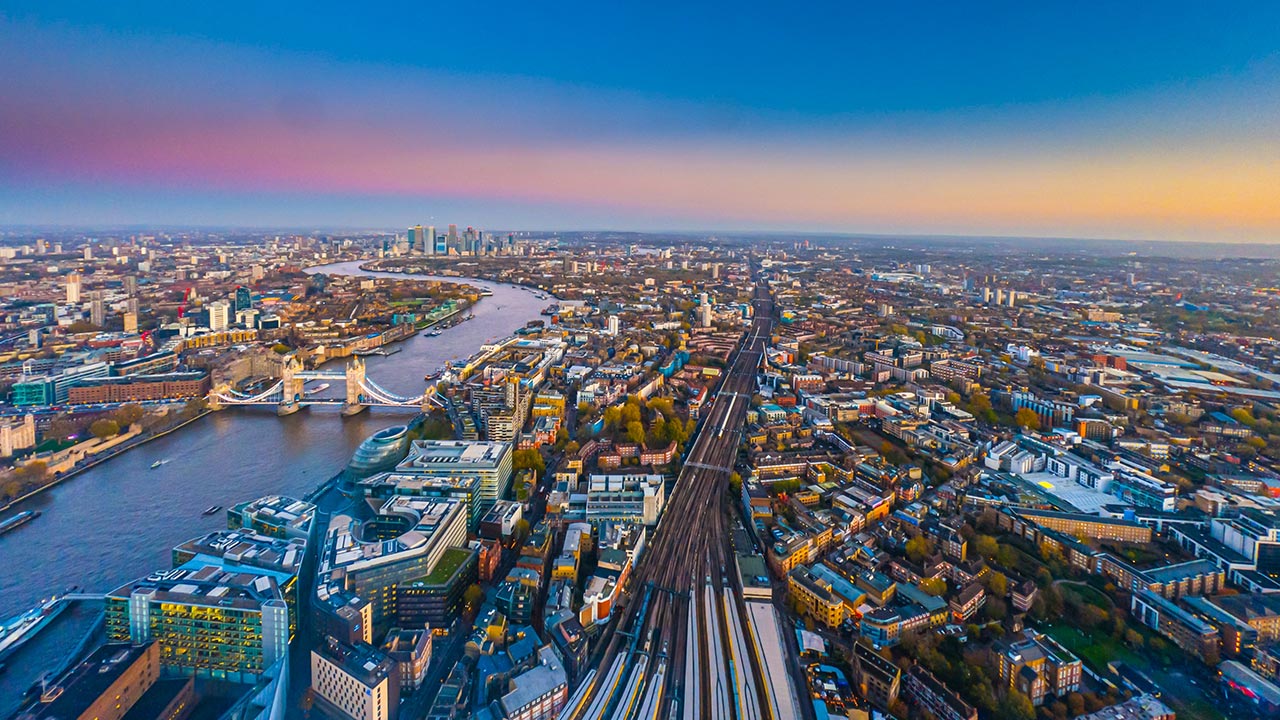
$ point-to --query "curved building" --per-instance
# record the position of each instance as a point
(379, 452)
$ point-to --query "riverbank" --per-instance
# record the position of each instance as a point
(366, 266)
(98, 460)
(120, 520)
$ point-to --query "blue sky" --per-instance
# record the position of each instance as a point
(873, 117)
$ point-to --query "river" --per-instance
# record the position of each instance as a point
(119, 520)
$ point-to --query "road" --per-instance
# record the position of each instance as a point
(678, 647)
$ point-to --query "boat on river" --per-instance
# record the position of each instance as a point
(158, 463)
(18, 520)
(18, 630)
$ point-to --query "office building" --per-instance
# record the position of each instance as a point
(274, 516)
(243, 299)
(630, 498)
(406, 542)
(488, 461)
(411, 650)
(207, 621)
(358, 681)
(54, 389)
(463, 488)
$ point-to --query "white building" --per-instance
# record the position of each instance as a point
(360, 682)
(219, 315)
(487, 460)
(633, 498)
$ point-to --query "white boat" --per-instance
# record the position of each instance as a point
(19, 629)
(158, 463)
(318, 388)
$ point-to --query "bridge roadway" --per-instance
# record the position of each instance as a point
(676, 648)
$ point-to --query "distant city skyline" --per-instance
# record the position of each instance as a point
(1137, 123)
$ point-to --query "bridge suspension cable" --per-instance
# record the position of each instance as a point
(384, 396)
(238, 398)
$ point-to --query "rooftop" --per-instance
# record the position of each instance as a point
(454, 454)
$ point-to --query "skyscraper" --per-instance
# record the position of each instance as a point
(97, 309)
(430, 247)
(417, 239)
(219, 315)
(73, 288)
(244, 299)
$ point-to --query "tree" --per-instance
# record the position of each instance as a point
(1028, 419)
(918, 548)
(1243, 416)
(996, 583)
(986, 546)
(995, 608)
(735, 483)
(472, 598)
(521, 529)
(1133, 639)
(635, 432)
(104, 428)
(1016, 706)
(529, 459)
(129, 414)
(934, 586)
(658, 430)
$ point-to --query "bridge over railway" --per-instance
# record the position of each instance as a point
(288, 394)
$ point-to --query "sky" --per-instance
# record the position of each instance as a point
(1154, 121)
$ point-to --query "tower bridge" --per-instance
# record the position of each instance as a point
(288, 394)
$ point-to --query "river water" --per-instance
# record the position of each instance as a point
(119, 520)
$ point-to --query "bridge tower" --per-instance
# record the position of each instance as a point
(355, 387)
(427, 404)
(291, 387)
(214, 403)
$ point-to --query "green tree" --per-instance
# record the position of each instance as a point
(918, 548)
(635, 432)
(1243, 416)
(996, 583)
(104, 428)
(1016, 706)
(986, 546)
